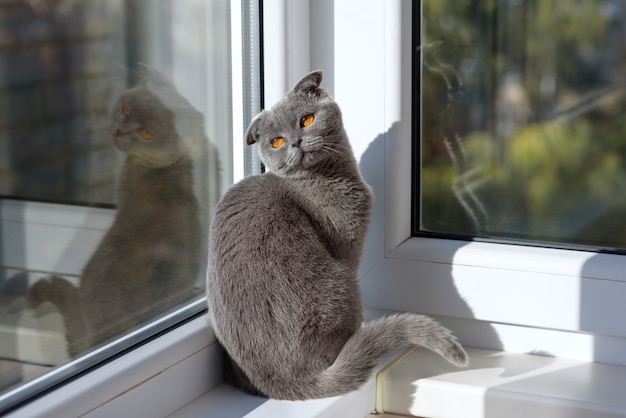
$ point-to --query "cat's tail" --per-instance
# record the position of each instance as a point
(66, 297)
(363, 351)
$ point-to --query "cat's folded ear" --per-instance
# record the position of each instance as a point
(310, 84)
(252, 133)
(150, 75)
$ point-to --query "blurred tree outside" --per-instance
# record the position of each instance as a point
(522, 111)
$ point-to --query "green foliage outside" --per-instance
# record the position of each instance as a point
(534, 132)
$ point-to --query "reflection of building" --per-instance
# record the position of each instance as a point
(54, 88)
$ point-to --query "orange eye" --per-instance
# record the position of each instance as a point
(124, 110)
(306, 120)
(278, 142)
(145, 134)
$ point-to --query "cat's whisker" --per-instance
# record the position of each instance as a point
(333, 152)
(97, 127)
(330, 152)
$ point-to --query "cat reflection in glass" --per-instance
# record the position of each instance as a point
(284, 250)
(149, 261)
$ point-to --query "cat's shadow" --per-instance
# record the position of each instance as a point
(377, 291)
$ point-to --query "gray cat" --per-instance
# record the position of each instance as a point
(284, 251)
(149, 261)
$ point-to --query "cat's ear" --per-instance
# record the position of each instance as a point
(310, 84)
(152, 78)
(252, 133)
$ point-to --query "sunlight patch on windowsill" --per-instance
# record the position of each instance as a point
(501, 384)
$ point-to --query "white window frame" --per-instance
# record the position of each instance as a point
(518, 298)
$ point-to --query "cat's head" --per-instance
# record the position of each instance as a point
(302, 131)
(144, 128)
(154, 123)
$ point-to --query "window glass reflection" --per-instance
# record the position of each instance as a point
(114, 148)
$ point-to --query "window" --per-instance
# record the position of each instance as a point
(116, 142)
(521, 298)
(522, 129)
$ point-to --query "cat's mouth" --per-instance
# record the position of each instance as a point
(294, 157)
(121, 143)
(310, 158)
(303, 156)
(311, 152)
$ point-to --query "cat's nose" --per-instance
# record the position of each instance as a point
(116, 132)
(297, 144)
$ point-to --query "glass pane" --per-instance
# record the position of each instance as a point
(523, 120)
(115, 145)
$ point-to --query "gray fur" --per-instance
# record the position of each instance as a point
(284, 251)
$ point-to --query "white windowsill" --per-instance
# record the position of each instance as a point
(227, 402)
(153, 380)
(179, 375)
(501, 384)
